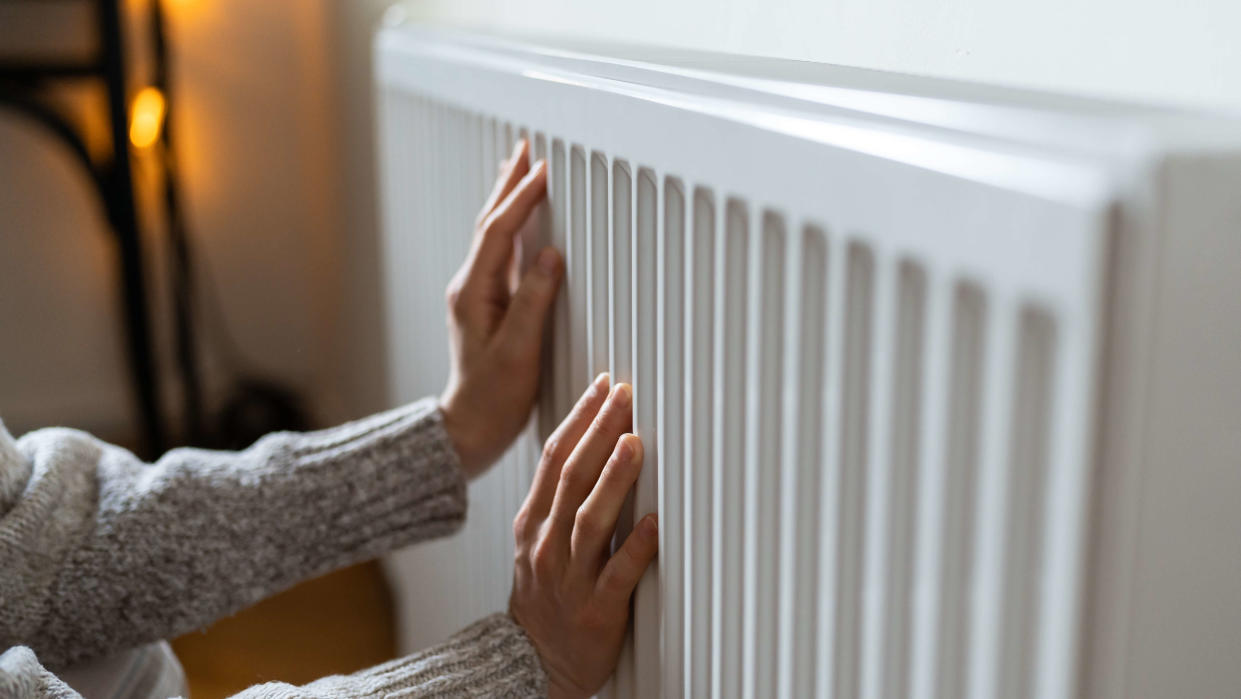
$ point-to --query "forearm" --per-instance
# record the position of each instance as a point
(108, 552)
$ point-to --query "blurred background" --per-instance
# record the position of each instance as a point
(249, 141)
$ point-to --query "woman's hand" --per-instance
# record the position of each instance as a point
(496, 330)
(570, 596)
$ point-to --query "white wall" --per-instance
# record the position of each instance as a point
(276, 138)
(1149, 50)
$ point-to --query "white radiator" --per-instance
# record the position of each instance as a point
(939, 385)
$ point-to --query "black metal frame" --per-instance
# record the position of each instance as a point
(21, 85)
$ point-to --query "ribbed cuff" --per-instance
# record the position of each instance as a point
(382, 482)
(21, 675)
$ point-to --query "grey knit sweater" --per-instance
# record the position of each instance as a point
(100, 552)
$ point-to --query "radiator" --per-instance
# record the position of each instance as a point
(915, 364)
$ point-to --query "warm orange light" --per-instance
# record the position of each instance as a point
(146, 117)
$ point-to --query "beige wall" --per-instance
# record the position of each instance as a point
(363, 369)
(257, 87)
(255, 129)
(59, 352)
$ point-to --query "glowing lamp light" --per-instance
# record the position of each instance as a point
(146, 117)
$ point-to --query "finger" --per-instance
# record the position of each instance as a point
(485, 283)
(511, 172)
(625, 568)
(521, 330)
(581, 470)
(596, 518)
(495, 244)
(560, 445)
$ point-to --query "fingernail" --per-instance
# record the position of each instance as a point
(548, 259)
(600, 384)
(622, 395)
(624, 450)
(517, 148)
(634, 444)
(537, 170)
(650, 526)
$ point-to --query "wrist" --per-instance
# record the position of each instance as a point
(463, 438)
(556, 691)
(559, 685)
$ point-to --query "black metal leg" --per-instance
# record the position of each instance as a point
(124, 220)
(181, 277)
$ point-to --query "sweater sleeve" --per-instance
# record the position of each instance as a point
(21, 675)
(491, 658)
(101, 551)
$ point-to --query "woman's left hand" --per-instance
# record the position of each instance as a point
(570, 591)
(496, 330)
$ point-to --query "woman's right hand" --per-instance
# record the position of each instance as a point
(569, 594)
(496, 328)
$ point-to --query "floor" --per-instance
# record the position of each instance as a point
(339, 623)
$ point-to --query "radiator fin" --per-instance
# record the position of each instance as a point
(804, 390)
(700, 458)
(674, 507)
(763, 463)
(731, 292)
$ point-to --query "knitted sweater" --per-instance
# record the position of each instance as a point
(100, 552)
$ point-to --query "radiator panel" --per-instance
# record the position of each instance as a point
(864, 384)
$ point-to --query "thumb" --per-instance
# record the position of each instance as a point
(522, 327)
